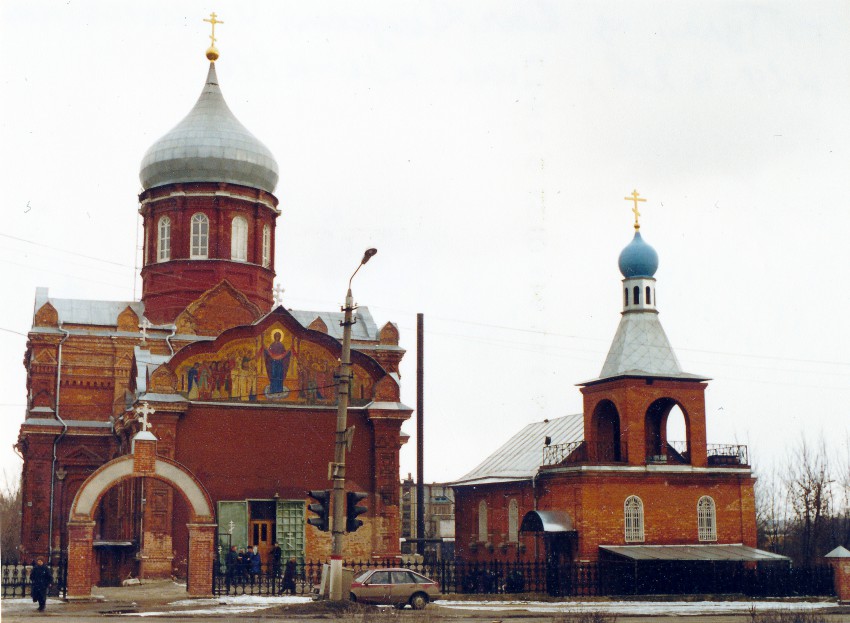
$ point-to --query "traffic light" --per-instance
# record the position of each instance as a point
(352, 510)
(321, 508)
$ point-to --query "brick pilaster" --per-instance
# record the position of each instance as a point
(80, 539)
(201, 558)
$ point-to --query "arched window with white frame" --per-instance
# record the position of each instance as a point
(239, 239)
(706, 519)
(267, 246)
(200, 249)
(163, 244)
(513, 521)
(633, 513)
(482, 521)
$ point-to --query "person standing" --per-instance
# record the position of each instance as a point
(231, 565)
(289, 576)
(41, 579)
(276, 554)
(256, 563)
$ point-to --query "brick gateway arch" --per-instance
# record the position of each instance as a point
(142, 462)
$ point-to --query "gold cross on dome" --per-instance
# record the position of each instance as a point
(143, 412)
(635, 197)
(213, 21)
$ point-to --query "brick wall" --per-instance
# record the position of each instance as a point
(594, 501)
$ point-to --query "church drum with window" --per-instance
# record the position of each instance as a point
(243, 392)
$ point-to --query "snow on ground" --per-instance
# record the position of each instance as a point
(24, 604)
(226, 604)
(676, 608)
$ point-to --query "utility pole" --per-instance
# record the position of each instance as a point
(338, 466)
(420, 435)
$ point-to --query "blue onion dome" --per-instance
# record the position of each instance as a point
(209, 145)
(638, 259)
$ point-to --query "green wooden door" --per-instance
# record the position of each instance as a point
(233, 521)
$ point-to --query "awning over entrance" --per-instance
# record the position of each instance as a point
(546, 521)
(692, 552)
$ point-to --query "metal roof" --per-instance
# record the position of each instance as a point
(146, 363)
(521, 456)
(364, 329)
(209, 145)
(547, 521)
(81, 311)
(105, 314)
(838, 552)
(641, 348)
(693, 552)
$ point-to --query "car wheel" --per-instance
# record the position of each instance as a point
(352, 597)
(418, 601)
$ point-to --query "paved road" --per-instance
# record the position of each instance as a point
(166, 601)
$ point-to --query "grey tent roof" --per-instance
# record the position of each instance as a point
(641, 348)
(521, 456)
(693, 552)
(838, 552)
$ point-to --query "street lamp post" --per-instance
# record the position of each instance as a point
(338, 467)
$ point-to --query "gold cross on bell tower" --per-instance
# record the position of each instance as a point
(212, 51)
(635, 197)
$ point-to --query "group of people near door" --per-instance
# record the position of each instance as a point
(245, 565)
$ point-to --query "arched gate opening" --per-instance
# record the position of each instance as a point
(141, 462)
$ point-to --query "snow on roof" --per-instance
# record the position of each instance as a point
(521, 456)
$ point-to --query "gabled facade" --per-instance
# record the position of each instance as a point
(242, 391)
(608, 481)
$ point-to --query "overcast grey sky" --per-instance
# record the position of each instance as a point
(485, 149)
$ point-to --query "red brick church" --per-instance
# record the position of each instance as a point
(243, 390)
(608, 483)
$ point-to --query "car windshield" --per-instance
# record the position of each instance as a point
(361, 576)
(420, 579)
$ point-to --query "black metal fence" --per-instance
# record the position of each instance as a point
(16, 580)
(587, 579)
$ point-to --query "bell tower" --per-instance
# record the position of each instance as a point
(626, 408)
(208, 207)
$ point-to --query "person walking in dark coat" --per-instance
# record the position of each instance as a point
(289, 576)
(41, 579)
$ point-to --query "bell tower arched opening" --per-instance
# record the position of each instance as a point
(606, 425)
(664, 417)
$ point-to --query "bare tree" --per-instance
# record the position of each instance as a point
(772, 520)
(10, 519)
(808, 484)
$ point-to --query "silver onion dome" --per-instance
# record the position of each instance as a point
(209, 145)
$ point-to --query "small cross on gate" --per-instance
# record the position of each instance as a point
(144, 325)
(231, 525)
(143, 412)
(278, 294)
